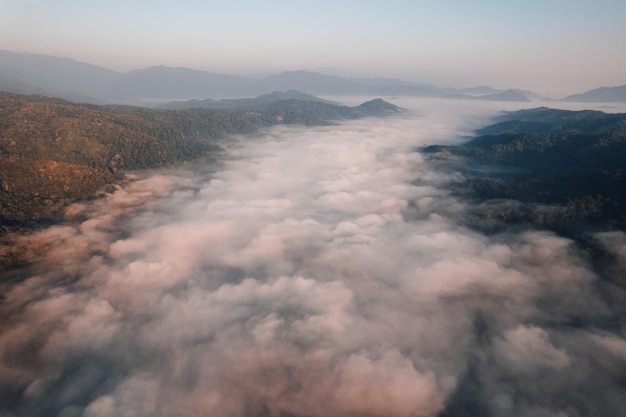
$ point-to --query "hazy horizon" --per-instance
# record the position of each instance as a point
(552, 48)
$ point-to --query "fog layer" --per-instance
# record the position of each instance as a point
(317, 272)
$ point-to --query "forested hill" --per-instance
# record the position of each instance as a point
(559, 169)
(546, 120)
(54, 152)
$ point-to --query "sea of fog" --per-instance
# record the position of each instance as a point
(314, 271)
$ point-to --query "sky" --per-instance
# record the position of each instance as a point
(554, 47)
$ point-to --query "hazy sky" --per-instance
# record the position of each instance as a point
(551, 46)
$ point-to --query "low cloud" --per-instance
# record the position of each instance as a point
(315, 272)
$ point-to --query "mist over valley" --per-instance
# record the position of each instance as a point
(312, 209)
(310, 270)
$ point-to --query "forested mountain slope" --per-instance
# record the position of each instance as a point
(566, 167)
(54, 152)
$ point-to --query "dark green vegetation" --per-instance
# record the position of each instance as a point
(562, 170)
(54, 152)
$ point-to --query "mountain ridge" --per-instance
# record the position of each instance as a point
(615, 94)
(74, 80)
(243, 102)
(54, 152)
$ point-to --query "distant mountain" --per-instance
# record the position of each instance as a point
(508, 95)
(284, 95)
(243, 102)
(310, 82)
(383, 82)
(162, 83)
(600, 95)
(81, 82)
(63, 77)
(307, 113)
(533, 96)
(330, 85)
(78, 81)
(376, 107)
(478, 91)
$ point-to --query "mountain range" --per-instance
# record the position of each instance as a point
(78, 81)
(82, 82)
(229, 103)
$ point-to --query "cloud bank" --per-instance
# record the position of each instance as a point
(316, 272)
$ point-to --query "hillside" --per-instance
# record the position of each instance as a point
(563, 170)
(54, 152)
(243, 103)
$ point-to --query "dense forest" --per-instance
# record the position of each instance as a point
(54, 152)
(553, 168)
